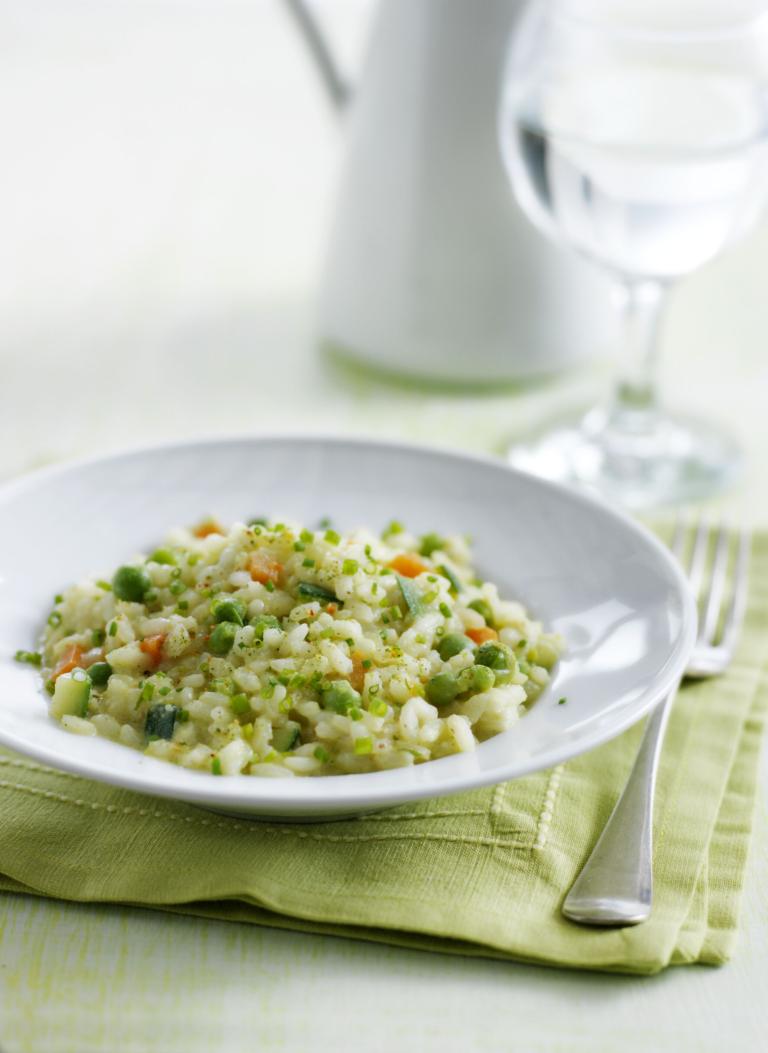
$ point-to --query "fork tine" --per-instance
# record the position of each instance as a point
(698, 557)
(716, 588)
(738, 605)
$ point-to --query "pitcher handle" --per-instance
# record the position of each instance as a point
(320, 49)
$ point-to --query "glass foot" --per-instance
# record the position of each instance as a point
(640, 460)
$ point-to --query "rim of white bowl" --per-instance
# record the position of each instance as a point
(384, 788)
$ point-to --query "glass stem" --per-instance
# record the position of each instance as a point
(635, 396)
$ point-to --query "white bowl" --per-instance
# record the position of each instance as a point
(604, 582)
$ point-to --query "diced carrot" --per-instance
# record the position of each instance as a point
(70, 660)
(331, 608)
(357, 676)
(208, 526)
(152, 646)
(264, 568)
(408, 565)
(480, 636)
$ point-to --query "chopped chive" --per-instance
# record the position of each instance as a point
(324, 522)
(332, 537)
(307, 536)
(393, 527)
(216, 767)
(269, 586)
(378, 707)
(316, 592)
(322, 754)
(355, 713)
(299, 546)
(58, 598)
(307, 563)
(29, 657)
(349, 566)
(448, 573)
(176, 588)
(363, 746)
(366, 663)
(54, 619)
(105, 585)
(98, 636)
(562, 701)
(112, 628)
(445, 610)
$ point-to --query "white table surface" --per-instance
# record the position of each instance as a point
(138, 304)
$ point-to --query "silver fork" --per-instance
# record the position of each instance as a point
(615, 886)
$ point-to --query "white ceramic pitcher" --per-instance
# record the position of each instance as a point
(432, 270)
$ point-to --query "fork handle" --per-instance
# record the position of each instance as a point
(615, 887)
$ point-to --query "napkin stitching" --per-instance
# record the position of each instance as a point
(382, 817)
(96, 806)
(548, 807)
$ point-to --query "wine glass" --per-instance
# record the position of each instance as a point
(637, 134)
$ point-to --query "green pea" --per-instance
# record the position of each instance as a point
(239, 704)
(264, 621)
(442, 689)
(452, 644)
(131, 583)
(493, 655)
(99, 673)
(222, 638)
(227, 609)
(483, 679)
(482, 607)
(430, 543)
(162, 555)
(340, 696)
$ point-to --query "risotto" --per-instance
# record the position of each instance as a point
(274, 650)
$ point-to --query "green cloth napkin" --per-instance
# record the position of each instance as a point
(483, 873)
